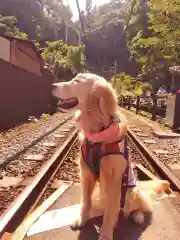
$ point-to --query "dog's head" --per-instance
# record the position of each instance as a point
(87, 92)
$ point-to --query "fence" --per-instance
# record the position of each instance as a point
(22, 94)
(155, 105)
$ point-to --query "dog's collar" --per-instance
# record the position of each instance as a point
(114, 119)
(107, 134)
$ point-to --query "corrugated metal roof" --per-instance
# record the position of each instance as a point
(175, 69)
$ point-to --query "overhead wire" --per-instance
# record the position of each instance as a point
(80, 18)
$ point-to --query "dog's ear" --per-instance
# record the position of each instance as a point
(108, 100)
(102, 99)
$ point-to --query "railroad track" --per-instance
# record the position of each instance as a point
(156, 166)
(20, 168)
(40, 194)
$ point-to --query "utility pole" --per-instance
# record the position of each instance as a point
(79, 11)
(66, 34)
(115, 66)
(88, 9)
(129, 17)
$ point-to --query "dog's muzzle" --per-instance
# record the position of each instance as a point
(64, 104)
(67, 103)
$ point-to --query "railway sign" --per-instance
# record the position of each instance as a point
(88, 5)
(138, 92)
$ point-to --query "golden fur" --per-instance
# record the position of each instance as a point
(97, 102)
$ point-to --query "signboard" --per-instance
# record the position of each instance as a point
(88, 5)
(138, 92)
(170, 110)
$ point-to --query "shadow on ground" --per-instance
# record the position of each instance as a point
(126, 229)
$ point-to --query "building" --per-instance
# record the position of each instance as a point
(26, 88)
(21, 53)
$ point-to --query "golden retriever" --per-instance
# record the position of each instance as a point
(96, 104)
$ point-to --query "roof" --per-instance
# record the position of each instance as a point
(175, 69)
(16, 38)
(127, 94)
(30, 42)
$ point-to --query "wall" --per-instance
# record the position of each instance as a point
(4, 49)
(22, 94)
(24, 56)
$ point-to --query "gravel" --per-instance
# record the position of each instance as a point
(27, 168)
(136, 157)
(171, 145)
(6, 196)
(69, 170)
(16, 139)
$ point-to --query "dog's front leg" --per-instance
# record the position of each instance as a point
(112, 169)
(87, 186)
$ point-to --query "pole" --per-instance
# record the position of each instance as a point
(66, 35)
(79, 11)
(137, 104)
(115, 67)
(129, 17)
(154, 98)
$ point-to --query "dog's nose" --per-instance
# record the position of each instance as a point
(54, 86)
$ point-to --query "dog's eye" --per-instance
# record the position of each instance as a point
(76, 80)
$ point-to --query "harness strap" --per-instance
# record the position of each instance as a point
(91, 156)
(92, 153)
(111, 153)
(109, 133)
(124, 186)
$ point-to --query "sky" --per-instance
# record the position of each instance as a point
(82, 4)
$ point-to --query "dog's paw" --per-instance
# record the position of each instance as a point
(77, 224)
(104, 238)
(82, 219)
(138, 217)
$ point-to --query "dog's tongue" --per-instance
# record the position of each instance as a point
(68, 103)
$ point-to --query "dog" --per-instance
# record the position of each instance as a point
(103, 130)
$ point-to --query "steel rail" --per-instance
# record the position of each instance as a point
(162, 170)
(27, 199)
(6, 159)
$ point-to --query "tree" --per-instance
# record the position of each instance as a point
(104, 41)
(42, 20)
(64, 60)
(161, 48)
(123, 82)
(8, 27)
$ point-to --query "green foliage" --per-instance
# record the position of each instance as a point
(41, 19)
(145, 86)
(63, 59)
(104, 41)
(161, 48)
(8, 27)
(123, 83)
(44, 116)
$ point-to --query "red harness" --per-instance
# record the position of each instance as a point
(109, 134)
(93, 149)
(92, 154)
